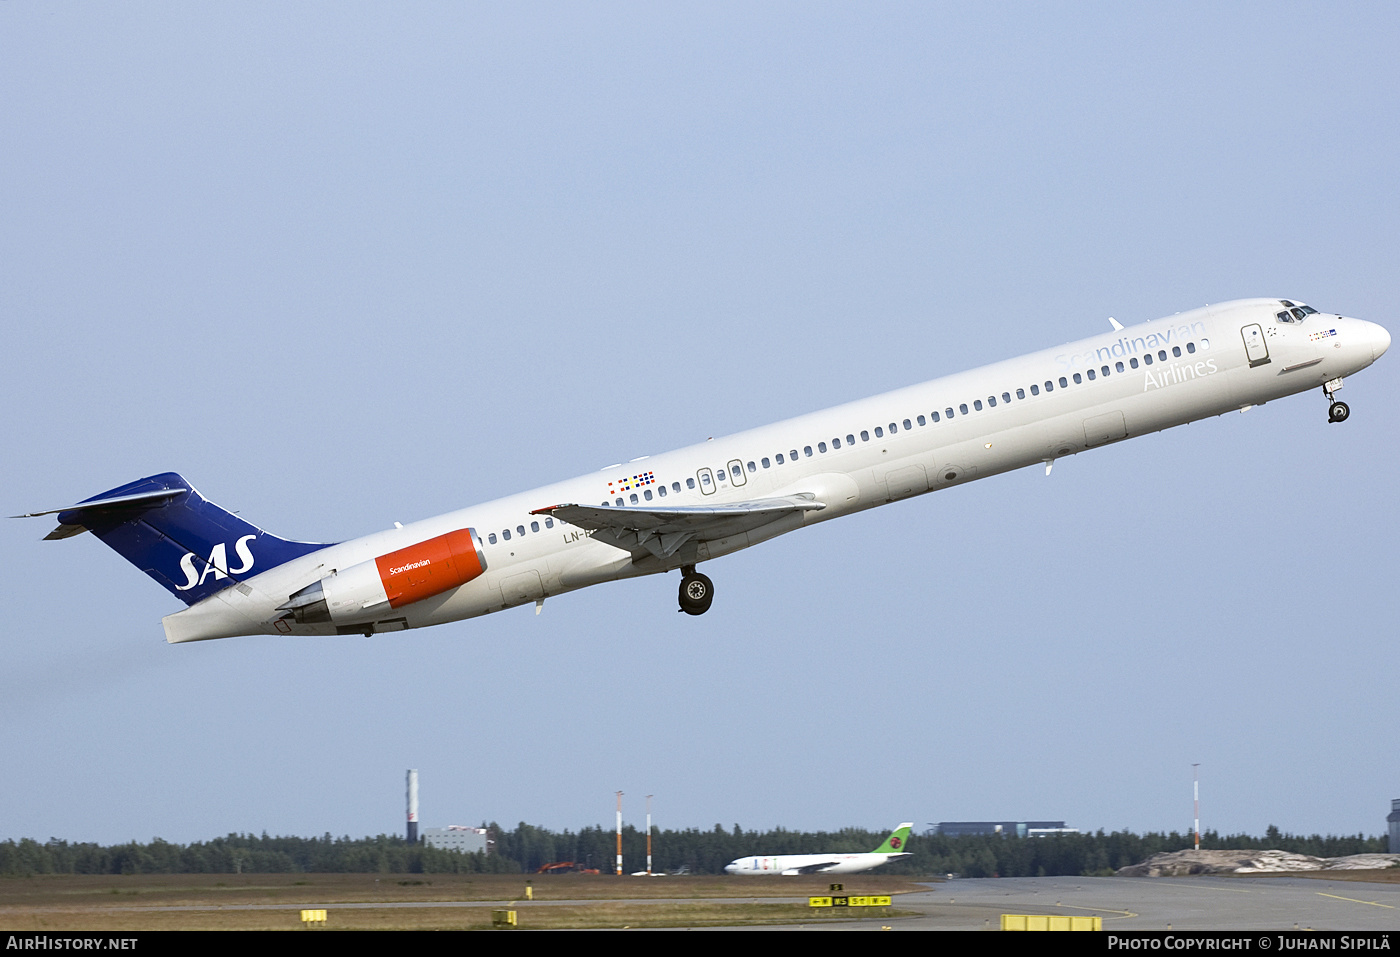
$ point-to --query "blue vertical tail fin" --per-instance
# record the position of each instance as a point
(164, 527)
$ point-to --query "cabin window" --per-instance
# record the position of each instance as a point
(676, 486)
(977, 404)
(807, 451)
(752, 467)
(922, 421)
(1118, 366)
(1191, 348)
(534, 526)
(793, 455)
(864, 436)
(850, 440)
(704, 480)
(1090, 374)
(835, 443)
(1205, 343)
(893, 428)
(992, 401)
(646, 494)
(1147, 357)
(1133, 362)
(767, 464)
(821, 447)
(492, 537)
(935, 416)
(1064, 383)
(1035, 390)
(779, 458)
(963, 408)
(737, 471)
(1049, 386)
(1006, 397)
(689, 483)
(505, 533)
(1078, 379)
(1162, 354)
(721, 475)
(1105, 371)
(1176, 351)
(631, 498)
(907, 425)
(549, 523)
(879, 432)
(948, 413)
(661, 490)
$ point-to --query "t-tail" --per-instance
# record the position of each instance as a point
(894, 844)
(164, 527)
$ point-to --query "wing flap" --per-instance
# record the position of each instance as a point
(663, 531)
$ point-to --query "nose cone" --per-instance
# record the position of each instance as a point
(730, 868)
(1380, 339)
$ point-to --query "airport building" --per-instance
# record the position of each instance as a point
(1393, 819)
(455, 837)
(1002, 828)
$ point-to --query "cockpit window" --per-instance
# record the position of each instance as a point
(1298, 314)
(1284, 317)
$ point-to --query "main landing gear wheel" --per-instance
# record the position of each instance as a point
(697, 592)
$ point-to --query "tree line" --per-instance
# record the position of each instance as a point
(524, 848)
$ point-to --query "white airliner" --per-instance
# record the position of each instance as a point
(792, 864)
(673, 511)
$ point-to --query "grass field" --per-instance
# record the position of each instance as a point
(417, 902)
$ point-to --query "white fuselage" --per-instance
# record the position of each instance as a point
(851, 457)
(793, 864)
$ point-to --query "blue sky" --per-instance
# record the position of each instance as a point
(348, 264)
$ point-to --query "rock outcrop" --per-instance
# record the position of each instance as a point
(1183, 863)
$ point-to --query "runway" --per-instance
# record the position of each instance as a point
(1157, 904)
(264, 902)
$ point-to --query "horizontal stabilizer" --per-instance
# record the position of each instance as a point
(115, 503)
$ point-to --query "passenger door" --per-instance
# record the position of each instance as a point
(1254, 345)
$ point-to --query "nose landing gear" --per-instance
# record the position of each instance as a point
(697, 591)
(1338, 411)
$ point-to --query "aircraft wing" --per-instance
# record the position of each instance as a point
(662, 531)
(814, 868)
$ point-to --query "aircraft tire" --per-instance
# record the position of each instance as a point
(696, 594)
(1339, 412)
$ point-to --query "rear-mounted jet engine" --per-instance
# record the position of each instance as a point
(364, 591)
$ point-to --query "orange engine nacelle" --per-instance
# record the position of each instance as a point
(367, 590)
(423, 570)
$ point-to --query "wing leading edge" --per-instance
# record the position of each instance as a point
(663, 531)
